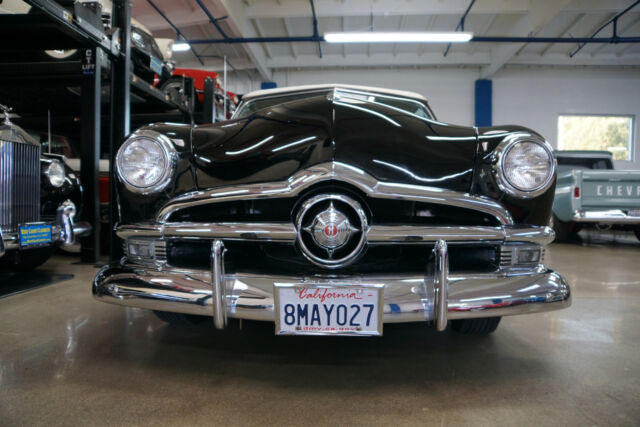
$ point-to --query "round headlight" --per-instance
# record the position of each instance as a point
(526, 167)
(144, 162)
(55, 173)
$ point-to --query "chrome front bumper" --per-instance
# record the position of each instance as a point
(612, 216)
(64, 230)
(407, 298)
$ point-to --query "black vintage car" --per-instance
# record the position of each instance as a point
(335, 209)
(39, 199)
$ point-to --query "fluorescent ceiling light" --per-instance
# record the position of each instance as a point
(399, 37)
(181, 47)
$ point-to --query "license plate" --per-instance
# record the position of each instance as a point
(155, 65)
(328, 309)
(34, 235)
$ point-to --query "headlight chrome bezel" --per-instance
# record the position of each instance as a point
(54, 178)
(170, 155)
(502, 151)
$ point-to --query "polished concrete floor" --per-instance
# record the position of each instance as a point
(67, 359)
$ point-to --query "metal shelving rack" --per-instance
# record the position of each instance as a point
(105, 62)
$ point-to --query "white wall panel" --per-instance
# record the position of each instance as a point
(535, 98)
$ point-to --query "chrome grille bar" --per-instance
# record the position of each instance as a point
(341, 172)
(377, 234)
(19, 184)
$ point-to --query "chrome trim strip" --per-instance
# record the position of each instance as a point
(613, 216)
(217, 281)
(250, 296)
(432, 234)
(250, 231)
(377, 234)
(441, 284)
(339, 172)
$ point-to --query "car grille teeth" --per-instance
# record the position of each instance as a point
(19, 184)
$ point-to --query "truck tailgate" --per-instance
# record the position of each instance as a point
(611, 189)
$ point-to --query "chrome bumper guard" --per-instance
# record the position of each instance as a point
(64, 230)
(612, 216)
(407, 298)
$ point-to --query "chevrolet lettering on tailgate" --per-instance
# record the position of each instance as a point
(589, 193)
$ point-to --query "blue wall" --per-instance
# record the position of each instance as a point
(484, 101)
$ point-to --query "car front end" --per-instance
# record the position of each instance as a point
(335, 213)
(39, 198)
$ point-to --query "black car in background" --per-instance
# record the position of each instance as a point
(39, 200)
(331, 210)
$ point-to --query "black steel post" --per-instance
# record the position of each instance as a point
(92, 59)
(190, 94)
(209, 109)
(120, 109)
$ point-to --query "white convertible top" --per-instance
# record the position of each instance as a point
(282, 90)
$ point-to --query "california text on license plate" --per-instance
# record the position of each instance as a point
(328, 309)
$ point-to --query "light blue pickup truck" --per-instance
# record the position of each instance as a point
(590, 193)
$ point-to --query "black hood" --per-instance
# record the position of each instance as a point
(390, 144)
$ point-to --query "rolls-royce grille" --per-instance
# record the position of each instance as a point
(19, 184)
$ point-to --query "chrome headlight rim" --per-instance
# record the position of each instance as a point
(501, 153)
(56, 178)
(168, 151)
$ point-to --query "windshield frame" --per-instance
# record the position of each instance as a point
(336, 91)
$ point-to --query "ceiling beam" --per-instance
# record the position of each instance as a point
(240, 27)
(261, 33)
(482, 32)
(454, 59)
(430, 22)
(400, 25)
(621, 32)
(541, 13)
(327, 8)
(287, 30)
(566, 31)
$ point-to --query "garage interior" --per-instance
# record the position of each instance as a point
(546, 65)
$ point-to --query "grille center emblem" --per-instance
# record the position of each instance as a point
(331, 228)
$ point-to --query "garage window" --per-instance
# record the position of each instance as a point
(601, 132)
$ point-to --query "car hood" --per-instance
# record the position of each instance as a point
(387, 143)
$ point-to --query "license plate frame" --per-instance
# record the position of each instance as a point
(370, 292)
(39, 238)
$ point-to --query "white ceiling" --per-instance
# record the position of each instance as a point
(276, 18)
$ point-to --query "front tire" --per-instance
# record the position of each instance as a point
(565, 231)
(478, 327)
(173, 87)
(27, 260)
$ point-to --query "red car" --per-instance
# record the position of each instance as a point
(174, 85)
